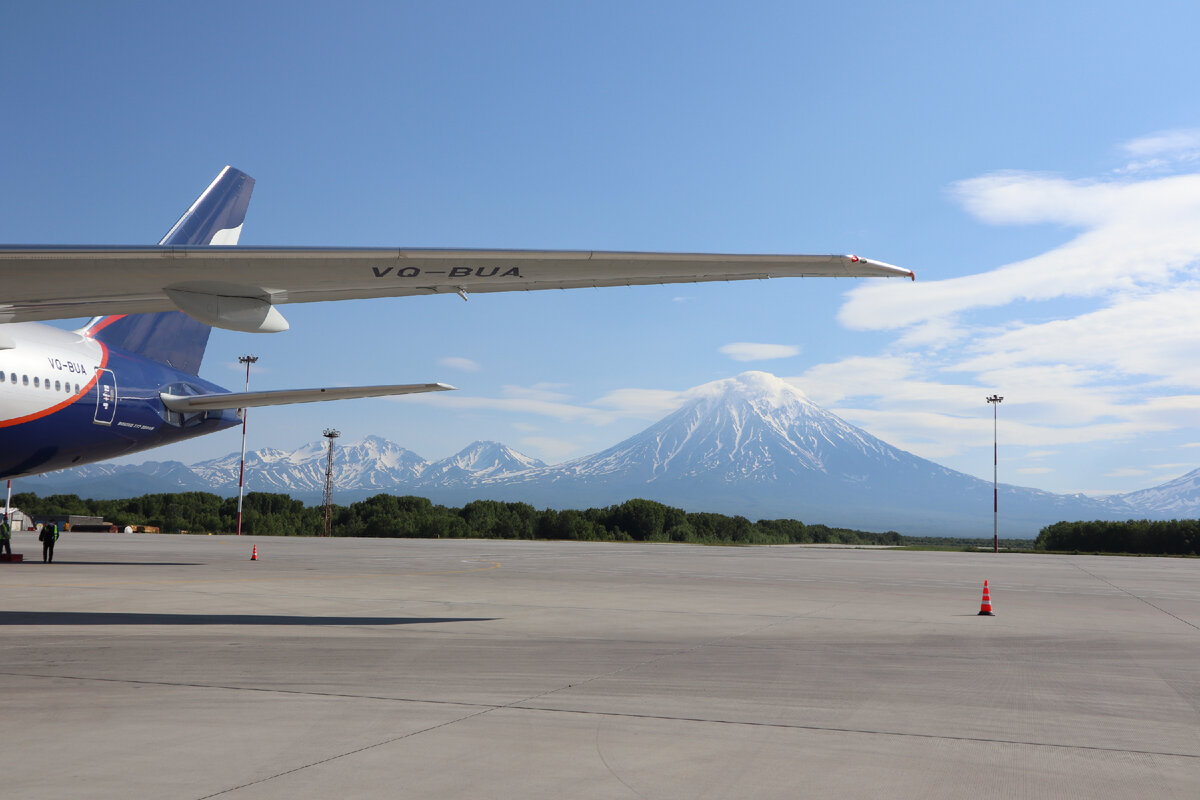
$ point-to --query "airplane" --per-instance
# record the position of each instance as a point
(127, 380)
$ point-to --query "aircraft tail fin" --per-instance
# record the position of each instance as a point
(172, 337)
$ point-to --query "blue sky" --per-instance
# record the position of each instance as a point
(1037, 165)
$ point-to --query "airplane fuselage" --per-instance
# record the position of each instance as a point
(67, 399)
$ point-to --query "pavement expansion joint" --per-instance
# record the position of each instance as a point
(1136, 597)
(859, 731)
(521, 705)
(337, 756)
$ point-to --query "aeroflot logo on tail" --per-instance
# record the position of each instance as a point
(453, 272)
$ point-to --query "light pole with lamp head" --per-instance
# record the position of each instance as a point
(995, 401)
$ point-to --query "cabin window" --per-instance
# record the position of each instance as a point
(24, 380)
(58, 386)
(37, 383)
(77, 388)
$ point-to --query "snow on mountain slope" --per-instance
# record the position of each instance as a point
(477, 461)
(372, 462)
(1179, 497)
(369, 463)
(754, 427)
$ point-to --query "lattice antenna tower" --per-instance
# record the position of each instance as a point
(330, 434)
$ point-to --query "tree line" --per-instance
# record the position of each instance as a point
(386, 515)
(1180, 537)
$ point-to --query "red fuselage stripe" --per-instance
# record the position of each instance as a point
(46, 412)
(102, 324)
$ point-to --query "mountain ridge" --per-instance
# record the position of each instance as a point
(752, 445)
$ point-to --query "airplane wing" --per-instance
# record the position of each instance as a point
(239, 287)
(211, 402)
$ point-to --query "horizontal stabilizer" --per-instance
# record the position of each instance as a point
(213, 402)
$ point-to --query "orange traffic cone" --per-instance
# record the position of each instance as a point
(254, 557)
(985, 608)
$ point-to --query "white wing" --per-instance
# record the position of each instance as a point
(239, 287)
(210, 402)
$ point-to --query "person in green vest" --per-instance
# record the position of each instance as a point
(48, 537)
(5, 536)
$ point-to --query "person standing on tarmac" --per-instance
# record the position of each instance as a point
(5, 536)
(48, 537)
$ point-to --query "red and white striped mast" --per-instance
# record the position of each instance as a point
(247, 360)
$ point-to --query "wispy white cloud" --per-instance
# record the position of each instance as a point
(1185, 140)
(1127, 472)
(459, 363)
(1137, 235)
(1163, 150)
(547, 392)
(642, 403)
(1115, 363)
(1137, 334)
(564, 412)
(890, 381)
(754, 351)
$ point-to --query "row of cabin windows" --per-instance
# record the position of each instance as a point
(59, 386)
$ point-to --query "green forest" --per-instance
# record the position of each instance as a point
(1180, 537)
(387, 515)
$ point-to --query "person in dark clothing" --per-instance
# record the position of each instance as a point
(48, 537)
(5, 536)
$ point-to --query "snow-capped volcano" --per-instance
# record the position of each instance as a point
(753, 427)
(756, 445)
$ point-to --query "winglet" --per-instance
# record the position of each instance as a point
(870, 268)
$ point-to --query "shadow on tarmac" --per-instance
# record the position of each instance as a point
(104, 618)
(57, 562)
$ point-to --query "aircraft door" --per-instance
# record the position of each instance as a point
(106, 397)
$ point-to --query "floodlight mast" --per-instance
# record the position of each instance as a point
(247, 360)
(330, 434)
(995, 401)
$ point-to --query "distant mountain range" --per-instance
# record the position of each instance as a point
(752, 445)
